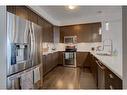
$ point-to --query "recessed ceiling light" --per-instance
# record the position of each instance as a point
(99, 12)
(71, 7)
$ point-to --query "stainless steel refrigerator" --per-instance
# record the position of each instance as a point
(23, 48)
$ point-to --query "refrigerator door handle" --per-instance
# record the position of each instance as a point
(30, 44)
(34, 47)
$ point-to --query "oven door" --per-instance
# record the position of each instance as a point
(70, 59)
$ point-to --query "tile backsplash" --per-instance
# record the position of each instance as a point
(49, 47)
(61, 46)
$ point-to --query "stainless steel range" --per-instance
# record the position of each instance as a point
(70, 56)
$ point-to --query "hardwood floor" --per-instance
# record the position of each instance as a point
(69, 78)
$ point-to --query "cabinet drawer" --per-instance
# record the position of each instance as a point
(112, 81)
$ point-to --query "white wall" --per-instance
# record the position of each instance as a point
(115, 34)
(2, 47)
(124, 47)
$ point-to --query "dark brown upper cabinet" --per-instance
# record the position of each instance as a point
(47, 32)
(22, 12)
(84, 32)
(40, 21)
(96, 37)
(32, 16)
(11, 9)
(26, 13)
(68, 31)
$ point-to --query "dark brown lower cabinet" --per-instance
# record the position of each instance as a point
(54, 59)
(104, 77)
(49, 62)
(80, 59)
(100, 75)
(44, 64)
(93, 67)
(112, 81)
(60, 60)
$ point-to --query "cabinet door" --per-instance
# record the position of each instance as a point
(96, 37)
(60, 61)
(11, 9)
(94, 68)
(50, 31)
(41, 23)
(101, 75)
(32, 16)
(22, 11)
(49, 62)
(88, 60)
(61, 35)
(55, 59)
(45, 31)
(44, 64)
(80, 58)
(68, 31)
(85, 33)
(112, 81)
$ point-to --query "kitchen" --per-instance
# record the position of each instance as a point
(80, 47)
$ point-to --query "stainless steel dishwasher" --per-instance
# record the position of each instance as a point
(101, 75)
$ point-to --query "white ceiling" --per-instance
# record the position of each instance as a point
(61, 15)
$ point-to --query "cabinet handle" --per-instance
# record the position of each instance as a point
(111, 87)
(99, 64)
(111, 76)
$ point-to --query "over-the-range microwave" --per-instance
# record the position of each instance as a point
(70, 39)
